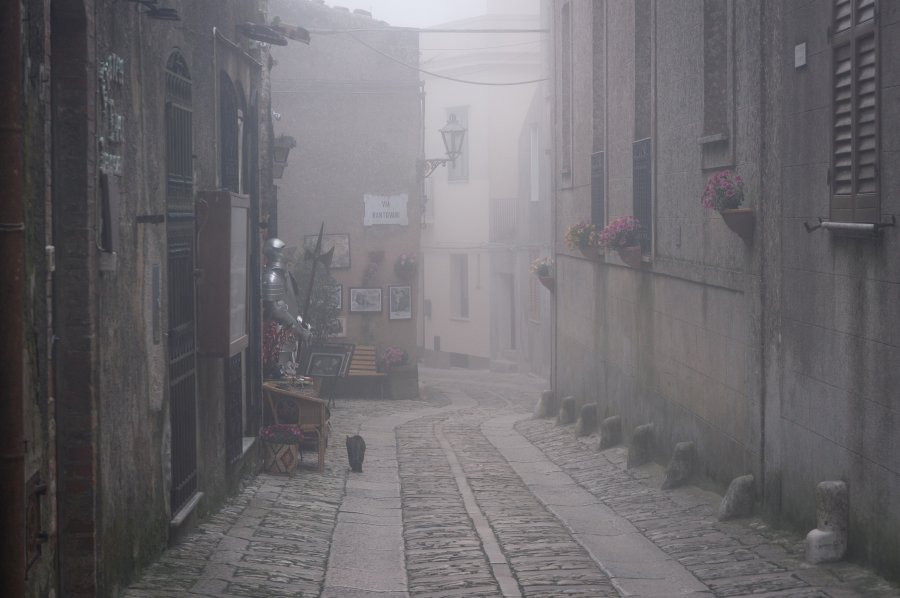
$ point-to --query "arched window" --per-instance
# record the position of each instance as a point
(179, 140)
(229, 134)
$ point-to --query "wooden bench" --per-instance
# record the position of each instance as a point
(312, 414)
(363, 365)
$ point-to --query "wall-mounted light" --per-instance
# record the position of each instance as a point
(261, 33)
(453, 134)
(281, 147)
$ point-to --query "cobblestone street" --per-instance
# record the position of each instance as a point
(464, 494)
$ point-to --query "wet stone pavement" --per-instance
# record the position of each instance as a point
(463, 494)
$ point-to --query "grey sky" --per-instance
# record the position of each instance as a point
(415, 13)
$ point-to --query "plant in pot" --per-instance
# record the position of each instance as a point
(405, 266)
(583, 237)
(542, 267)
(724, 193)
(624, 235)
(393, 357)
(282, 445)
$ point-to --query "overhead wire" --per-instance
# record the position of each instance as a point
(439, 76)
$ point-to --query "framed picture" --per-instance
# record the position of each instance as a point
(339, 296)
(342, 327)
(341, 243)
(325, 364)
(400, 303)
(365, 300)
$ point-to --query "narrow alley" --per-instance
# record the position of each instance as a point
(464, 493)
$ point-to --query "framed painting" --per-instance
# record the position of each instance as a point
(342, 327)
(341, 244)
(339, 296)
(400, 303)
(365, 300)
(325, 365)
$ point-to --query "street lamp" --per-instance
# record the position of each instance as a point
(281, 147)
(453, 135)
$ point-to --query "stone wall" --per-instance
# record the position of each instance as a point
(774, 355)
(839, 367)
(355, 114)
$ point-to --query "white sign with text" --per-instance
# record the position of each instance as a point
(385, 209)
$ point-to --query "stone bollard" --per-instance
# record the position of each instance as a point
(738, 500)
(641, 448)
(828, 542)
(610, 432)
(567, 411)
(546, 406)
(587, 421)
(681, 466)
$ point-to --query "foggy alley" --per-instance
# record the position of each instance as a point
(606, 291)
(464, 493)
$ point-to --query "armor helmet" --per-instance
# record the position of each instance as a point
(273, 250)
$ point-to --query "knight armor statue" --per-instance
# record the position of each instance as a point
(279, 295)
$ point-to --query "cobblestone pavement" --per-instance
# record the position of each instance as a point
(494, 503)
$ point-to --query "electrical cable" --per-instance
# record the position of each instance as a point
(433, 74)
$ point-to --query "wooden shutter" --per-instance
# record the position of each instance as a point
(854, 168)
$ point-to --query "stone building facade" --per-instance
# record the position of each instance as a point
(135, 421)
(351, 99)
(776, 354)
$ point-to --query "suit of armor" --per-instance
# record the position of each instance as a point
(279, 295)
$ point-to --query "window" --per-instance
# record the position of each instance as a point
(534, 292)
(458, 170)
(854, 160)
(718, 89)
(565, 91)
(229, 134)
(715, 68)
(642, 188)
(598, 189)
(535, 174)
(459, 285)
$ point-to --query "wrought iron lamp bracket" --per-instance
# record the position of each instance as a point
(429, 165)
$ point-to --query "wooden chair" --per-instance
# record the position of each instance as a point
(311, 414)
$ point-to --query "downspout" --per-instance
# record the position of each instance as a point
(12, 229)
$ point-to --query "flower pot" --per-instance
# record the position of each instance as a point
(281, 458)
(589, 251)
(548, 281)
(740, 220)
(630, 255)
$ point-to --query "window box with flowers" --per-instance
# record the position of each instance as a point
(405, 266)
(624, 235)
(542, 267)
(582, 237)
(724, 193)
(281, 447)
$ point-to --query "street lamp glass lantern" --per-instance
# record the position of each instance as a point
(281, 148)
(453, 135)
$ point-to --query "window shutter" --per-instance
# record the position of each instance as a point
(866, 142)
(854, 172)
(843, 15)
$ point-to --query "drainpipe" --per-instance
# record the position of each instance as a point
(12, 230)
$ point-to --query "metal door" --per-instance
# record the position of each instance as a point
(180, 234)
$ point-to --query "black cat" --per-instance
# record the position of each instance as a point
(356, 452)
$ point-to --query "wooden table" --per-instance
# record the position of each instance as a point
(313, 412)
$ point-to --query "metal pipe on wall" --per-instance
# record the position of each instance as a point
(12, 230)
